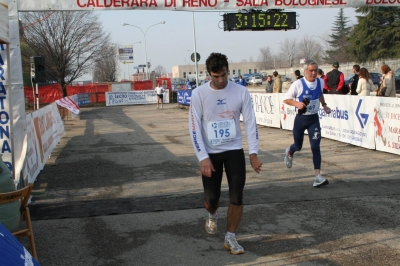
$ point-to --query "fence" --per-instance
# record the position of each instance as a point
(51, 92)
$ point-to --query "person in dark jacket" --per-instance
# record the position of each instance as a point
(270, 85)
(297, 74)
(334, 81)
(353, 85)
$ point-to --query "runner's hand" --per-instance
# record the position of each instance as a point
(255, 163)
(206, 167)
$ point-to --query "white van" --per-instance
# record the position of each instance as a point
(256, 79)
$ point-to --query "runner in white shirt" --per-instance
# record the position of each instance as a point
(160, 96)
(214, 128)
(308, 88)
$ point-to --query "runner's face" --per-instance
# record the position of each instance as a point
(219, 80)
(311, 72)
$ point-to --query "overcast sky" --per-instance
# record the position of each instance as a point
(172, 43)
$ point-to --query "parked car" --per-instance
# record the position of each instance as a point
(375, 77)
(256, 79)
(397, 79)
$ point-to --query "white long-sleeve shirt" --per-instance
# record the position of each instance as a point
(214, 124)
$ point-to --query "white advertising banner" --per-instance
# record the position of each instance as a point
(386, 118)
(287, 113)
(44, 130)
(266, 109)
(351, 120)
(33, 165)
(46, 124)
(4, 38)
(191, 5)
(134, 97)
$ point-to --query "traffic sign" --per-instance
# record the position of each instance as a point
(124, 51)
(127, 62)
(125, 57)
(197, 57)
(141, 66)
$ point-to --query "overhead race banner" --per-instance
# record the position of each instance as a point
(191, 5)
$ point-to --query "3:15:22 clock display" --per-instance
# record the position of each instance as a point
(260, 21)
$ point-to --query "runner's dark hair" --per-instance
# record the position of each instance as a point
(215, 62)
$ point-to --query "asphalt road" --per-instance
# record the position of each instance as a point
(123, 188)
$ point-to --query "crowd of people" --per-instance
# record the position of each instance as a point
(334, 82)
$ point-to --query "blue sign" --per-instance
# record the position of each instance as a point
(83, 98)
(184, 96)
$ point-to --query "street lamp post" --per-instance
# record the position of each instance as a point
(144, 36)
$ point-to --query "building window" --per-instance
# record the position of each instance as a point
(229, 72)
(184, 75)
(239, 72)
(255, 70)
(201, 72)
(249, 71)
(233, 72)
(190, 73)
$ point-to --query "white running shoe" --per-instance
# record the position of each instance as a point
(288, 158)
(319, 181)
(211, 225)
(232, 245)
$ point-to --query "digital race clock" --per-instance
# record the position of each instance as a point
(260, 21)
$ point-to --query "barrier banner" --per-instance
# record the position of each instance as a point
(184, 96)
(266, 109)
(386, 120)
(4, 38)
(287, 113)
(134, 97)
(70, 104)
(83, 98)
(33, 165)
(350, 120)
(44, 130)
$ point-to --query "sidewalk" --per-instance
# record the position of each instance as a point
(123, 188)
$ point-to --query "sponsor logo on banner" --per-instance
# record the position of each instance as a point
(361, 116)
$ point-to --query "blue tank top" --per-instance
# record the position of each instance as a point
(313, 95)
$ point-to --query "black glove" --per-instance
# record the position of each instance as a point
(301, 111)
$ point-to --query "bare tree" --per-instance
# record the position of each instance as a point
(288, 50)
(308, 48)
(265, 58)
(159, 71)
(105, 70)
(71, 42)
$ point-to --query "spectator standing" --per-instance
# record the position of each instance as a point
(321, 75)
(388, 81)
(334, 80)
(353, 85)
(309, 88)
(188, 86)
(9, 212)
(193, 84)
(160, 95)
(277, 82)
(215, 107)
(241, 81)
(297, 74)
(364, 83)
(270, 84)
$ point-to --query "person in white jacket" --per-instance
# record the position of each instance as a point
(214, 127)
(365, 84)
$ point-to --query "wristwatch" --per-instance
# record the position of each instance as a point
(324, 104)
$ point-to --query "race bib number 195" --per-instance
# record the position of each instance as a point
(221, 132)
